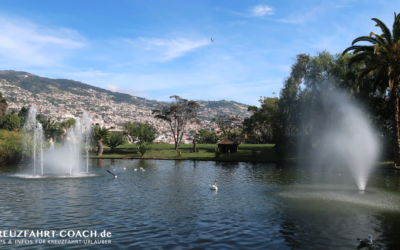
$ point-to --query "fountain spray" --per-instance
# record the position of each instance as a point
(342, 136)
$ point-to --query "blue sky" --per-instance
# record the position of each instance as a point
(155, 49)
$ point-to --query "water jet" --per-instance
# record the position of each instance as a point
(57, 161)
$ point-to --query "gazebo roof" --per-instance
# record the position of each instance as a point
(227, 141)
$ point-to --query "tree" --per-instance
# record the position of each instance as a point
(177, 116)
(382, 58)
(288, 96)
(23, 115)
(10, 122)
(100, 134)
(228, 124)
(265, 121)
(116, 139)
(65, 125)
(3, 107)
(68, 123)
(206, 137)
(51, 129)
(141, 132)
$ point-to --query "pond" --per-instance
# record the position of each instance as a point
(170, 206)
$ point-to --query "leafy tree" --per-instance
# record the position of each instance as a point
(382, 59)
(206, 137)
(10, 145)
(3, 107)
(177, 116)
(288, 96)
(228, 124)
(116, 139)
(10, 122)
(23, 114)
(265, 123)
(100, 134)
(142, 132)
(51, 129)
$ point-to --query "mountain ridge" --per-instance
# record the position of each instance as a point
(37, 84)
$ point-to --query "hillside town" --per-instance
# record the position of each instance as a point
(61, 105)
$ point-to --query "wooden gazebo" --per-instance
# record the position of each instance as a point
(228, 144)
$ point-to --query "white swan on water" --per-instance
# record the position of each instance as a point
(365, 240)
(214, 187)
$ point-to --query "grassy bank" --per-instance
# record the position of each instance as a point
(190, 146)
(264, 153)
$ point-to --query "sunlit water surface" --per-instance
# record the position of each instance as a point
(170, 206)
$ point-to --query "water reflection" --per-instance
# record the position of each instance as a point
(170, 205)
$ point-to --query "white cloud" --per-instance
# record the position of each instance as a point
(129, 91)
(113, 88)
(261, 10)
(168, 49)
(24, 43)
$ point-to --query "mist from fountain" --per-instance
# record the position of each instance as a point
(51, 145)
(87, 126)
(342, 136)
(34, 141)
(57, 161)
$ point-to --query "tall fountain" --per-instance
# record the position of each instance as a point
(58, 161)
(87, 126)
(343, 138)
(34, 141)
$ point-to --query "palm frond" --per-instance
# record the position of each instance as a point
(361, 57)
(386, 32)
(358, 48)
(396, 27)
(364, 39)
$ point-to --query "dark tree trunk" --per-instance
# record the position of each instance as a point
(176, 145)
(395, 119)
(99, 148)
(194, 145)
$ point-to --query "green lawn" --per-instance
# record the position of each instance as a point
(183, 146)
(264, 154)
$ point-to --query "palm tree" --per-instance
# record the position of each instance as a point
(67, 125)
(116, 139)
(100, 134)
(382, 59)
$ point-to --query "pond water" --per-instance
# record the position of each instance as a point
(170, 206)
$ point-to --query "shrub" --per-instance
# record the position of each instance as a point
(142, 148)
(10, 145)
(10, 122)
